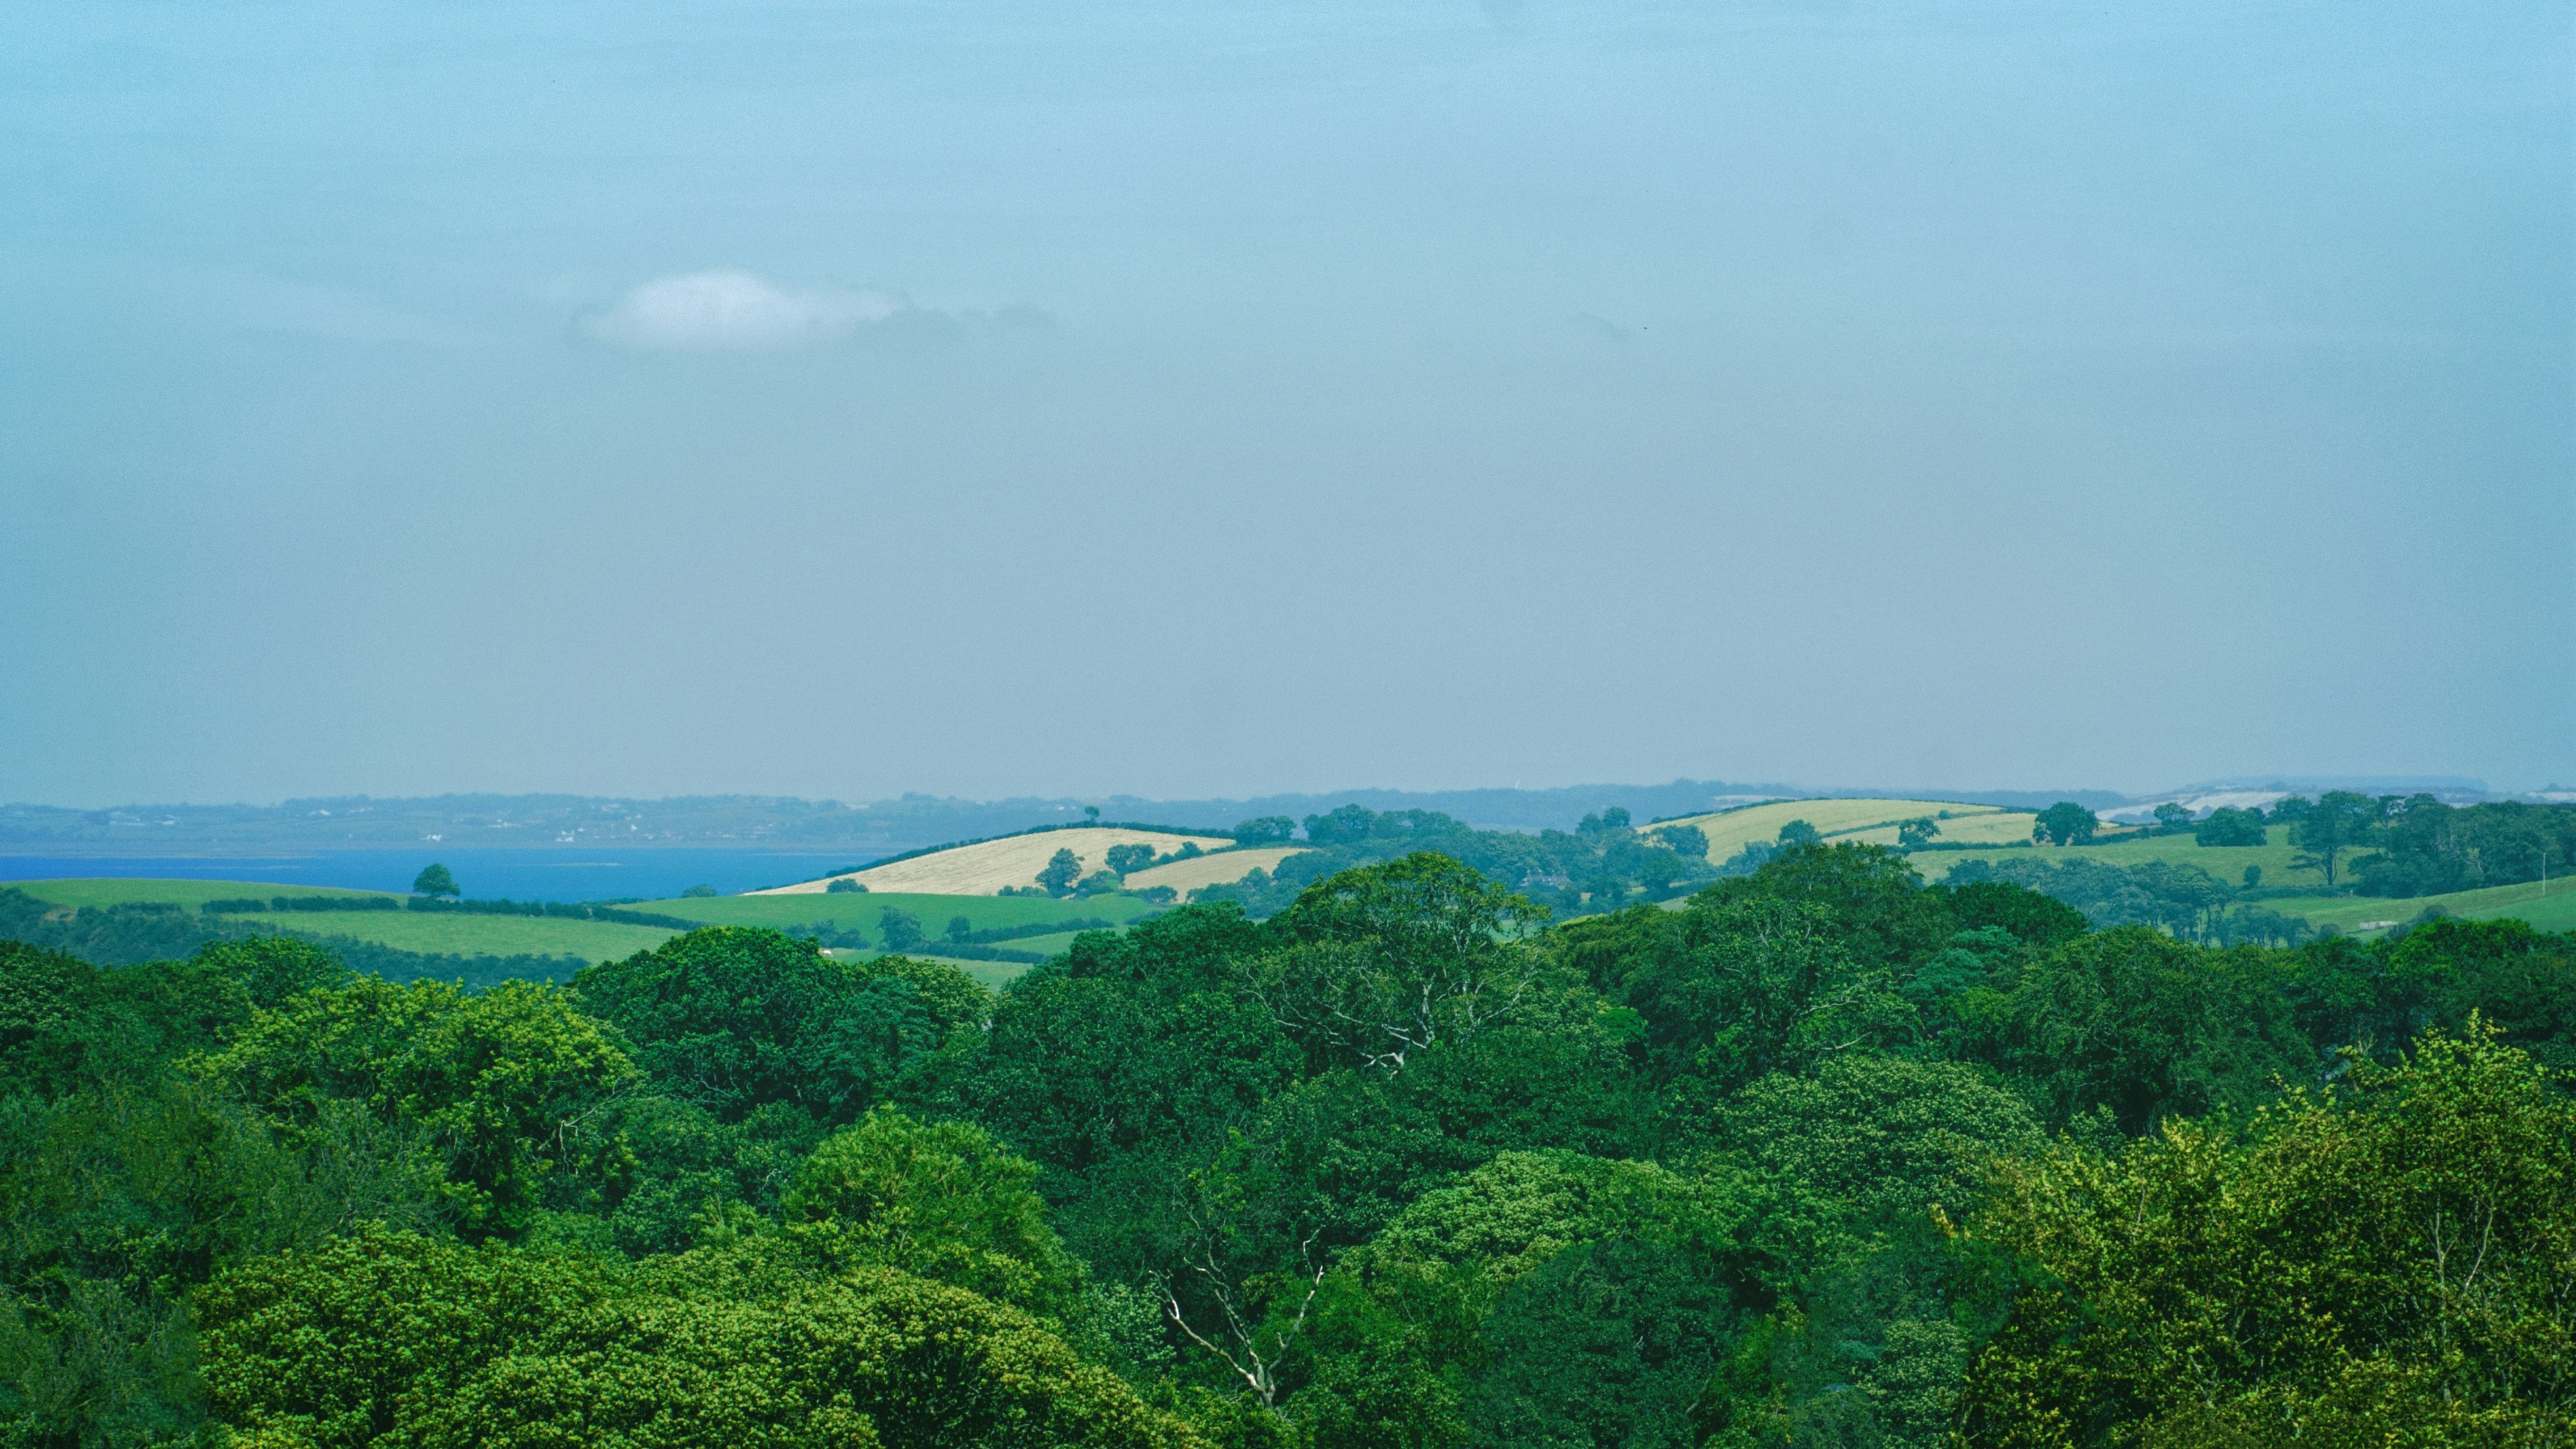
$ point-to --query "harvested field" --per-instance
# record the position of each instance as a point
(983, 869)
(1225, 868)
(1869, 821)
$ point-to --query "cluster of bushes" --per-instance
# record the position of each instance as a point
(245, 905)
(1823, 1157)
(1602, 864)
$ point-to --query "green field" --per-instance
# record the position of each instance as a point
(448, 934)
(2227, 862)
(855, 911)
(112, 891)
(992, 975)
(2553, 912)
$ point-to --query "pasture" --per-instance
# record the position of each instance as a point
(859, 910)
(113, 891)
(454, 934)
(2227, 862)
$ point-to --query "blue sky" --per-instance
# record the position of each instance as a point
(841, 399)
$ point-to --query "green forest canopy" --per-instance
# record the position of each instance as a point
(1822, 1157)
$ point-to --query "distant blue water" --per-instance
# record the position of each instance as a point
(548, 875)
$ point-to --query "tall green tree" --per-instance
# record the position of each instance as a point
(434, 880)
(2065, 823)
(2385, 1263)
(2340, 820)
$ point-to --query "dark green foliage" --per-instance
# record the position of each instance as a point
(1122, 859)
(1608, 1343)
(2141, 1026)
(2424, 847)
(1596, 867)
(1265, 830)
(1060, 872)
(434, 880)
(2228, 825)
(1799, 832)
(844, 885)
(699, 892)
(735, 1019)
(899, 929)
(2035, 919)
(2065, 823)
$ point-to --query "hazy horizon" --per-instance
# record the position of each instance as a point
(843, 400)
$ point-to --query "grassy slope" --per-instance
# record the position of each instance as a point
(2227, 862)
(189, 893)
(860, 911)
(460, 935)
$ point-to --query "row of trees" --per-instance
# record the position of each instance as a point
(1822, 1157)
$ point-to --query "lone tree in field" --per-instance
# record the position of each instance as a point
(2339, 821)
(1062, 870)
(2064, 823)
(1916, 833)
(435, 881)
(1799, 832)
(901, 929)
(959, 928)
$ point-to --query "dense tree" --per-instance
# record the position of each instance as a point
(899, 929)
(2337, 822)
(384, 1338)
(2228, 825)
(1124, 859)
(502, 1091)
(2064, 823)
(2388, 1263)
(2139, 1026)
(734, 1019)
(1060, 872)
(434, 880)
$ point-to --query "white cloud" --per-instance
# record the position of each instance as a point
(728, 310)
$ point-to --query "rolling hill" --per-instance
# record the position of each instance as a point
(982, 869)
(1868, 822)
(1185, 876)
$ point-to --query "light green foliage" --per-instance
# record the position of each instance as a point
(387, 1338)
(1502, 1221)
(1864, 1142)
(504, 1089)
(941, 1200)
(1387, 960)
(2392, 1263)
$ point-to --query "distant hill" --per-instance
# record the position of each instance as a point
(859, 833)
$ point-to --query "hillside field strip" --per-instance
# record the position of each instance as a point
(984, 868)
(1871, 822)
(1224, 868)
(858, 911)
(440, 933)
(118, 891)
(445, 933)
(2227, 862)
